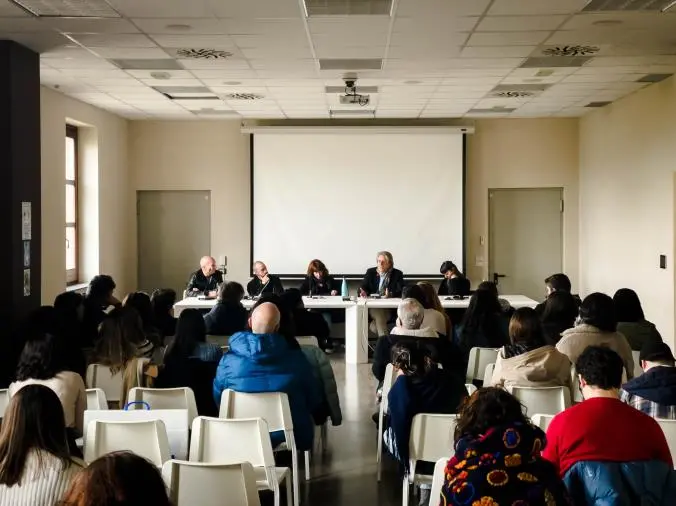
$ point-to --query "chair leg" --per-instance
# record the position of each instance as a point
(289, 499)
(296, 486)
(275, 491)
(307, 465)
(379, 454)
(325, 436)
(404, 492)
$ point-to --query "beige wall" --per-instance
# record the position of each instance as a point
(521, 153)
(209, 155)
(113, 201)
(627, 163)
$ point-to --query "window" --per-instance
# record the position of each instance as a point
(72, 274)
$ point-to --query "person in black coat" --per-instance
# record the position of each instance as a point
(162, 301)
(263, 282)
(306, 323)
(97, 302)
(454, 282)
(205, 280)
(385, 281)
(318, 281)
(228, 316)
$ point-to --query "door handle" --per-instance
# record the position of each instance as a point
(496, 277)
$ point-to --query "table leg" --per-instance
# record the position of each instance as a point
(356, 337)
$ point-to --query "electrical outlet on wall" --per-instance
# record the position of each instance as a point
(663, 261)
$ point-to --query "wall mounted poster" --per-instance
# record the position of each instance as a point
(26, 282)
(26, 254)
(26, 221)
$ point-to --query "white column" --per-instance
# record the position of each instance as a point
(356, 337)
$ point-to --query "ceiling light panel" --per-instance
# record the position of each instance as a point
(535, 7)
(68, 8)
(145, 64)
(113, 40)
(348, 7)
(167, 8)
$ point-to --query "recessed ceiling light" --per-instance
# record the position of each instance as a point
(179, 27)
(160, 75)
(607, 22)
(232, 83)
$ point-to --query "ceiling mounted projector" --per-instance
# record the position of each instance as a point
(351, 97)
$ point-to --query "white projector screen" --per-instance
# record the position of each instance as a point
(343, 195)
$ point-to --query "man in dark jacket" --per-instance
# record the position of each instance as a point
(228, 316)
(262, 361)
(263, 282)
(556, 283)
(205, 280)
(654, 391)
(385, 281)
(307, 323)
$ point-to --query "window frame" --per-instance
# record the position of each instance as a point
(73, 275)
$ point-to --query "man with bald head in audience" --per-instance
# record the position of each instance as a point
(262, 360)
(205, 280)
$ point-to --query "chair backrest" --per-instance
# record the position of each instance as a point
(221, 341)
(488, 374)
(147, 439)
(669, 429)
(479, 358)
(96, 399)
(431, 438)
(545, 400)
(221, 441)
(165, 398)
(4, 401)
(99, 376)
(308, 341)
(437, 481)
(542, 421)
(193, 483)
(471, 387)
(637, 363)
(388, 381)
(273, 407)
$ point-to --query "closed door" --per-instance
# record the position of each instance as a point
(174, 232)
(525, 238)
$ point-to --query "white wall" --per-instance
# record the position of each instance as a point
(209, 155)
(627, 163)
(115, 211)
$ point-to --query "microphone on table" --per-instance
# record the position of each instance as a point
(310, 286)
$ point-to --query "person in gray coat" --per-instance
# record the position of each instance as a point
(321, 367)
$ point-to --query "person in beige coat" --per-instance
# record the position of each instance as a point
(528, 361)
(596, 326)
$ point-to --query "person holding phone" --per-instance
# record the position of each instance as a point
(263, 281)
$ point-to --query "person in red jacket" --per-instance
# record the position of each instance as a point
(602, 428)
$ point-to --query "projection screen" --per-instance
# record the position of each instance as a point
(342, 195)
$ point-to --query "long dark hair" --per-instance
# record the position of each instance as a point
(140, 301)
(34, 420)
(628, 306)
(117, 479)
(487, 408)
(483, 315)
(560, 313)
(598, 310)
(162, 300)
(190, 331)
(119, 334)
(42, 358)
(412, 358)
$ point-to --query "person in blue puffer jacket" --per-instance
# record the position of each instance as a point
(261, 360)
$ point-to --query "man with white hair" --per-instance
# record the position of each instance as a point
(263, 282)
(383, 280)
(205, 280)
(262, 360)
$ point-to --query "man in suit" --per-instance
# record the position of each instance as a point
(263, 281)
(205, 280)
(385, 281)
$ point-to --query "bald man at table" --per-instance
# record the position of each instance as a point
(205, 280)
(263, 281)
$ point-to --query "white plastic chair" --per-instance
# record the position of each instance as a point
(388, 381)
(488, 374)
(96, 399)
(193, 483)
(437, 481)
(431, 440)
(99, 376)
(4, 401)
(273, 407)
(165, 398)
(220, 441)
(669, 429)
(545, 400)
(308, 341)
(542, 421)
(637, 363)
(479, 358)
(147, 439)
(471, 387)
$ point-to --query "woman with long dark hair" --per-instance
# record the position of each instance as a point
(497, 457)
(190, 340)
(163, 301)
(560, 312)
(140, 301)
(484, 324)
(631, 321)
(35, 462)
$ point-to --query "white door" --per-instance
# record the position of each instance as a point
(174, 232)
(525, 238)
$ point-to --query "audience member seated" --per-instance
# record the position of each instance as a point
(432, 319)
(596, 326)
(485, 322)
(454, 282)
(318, 281)
(98, 302)
(654, 391)
(163, 301)
(42, 363)
(497, 457)
(140, 301)
(602, 447)
(118, 479)
(528, 361)
(432, 302)
(263, 282)
(383, 280)
(305, 322)
(205, 280)
(228, 316)
(556, 283)
(35, 463)
(631, 321)
(69, 311)
(560, 313)
(262, 361)
(191, 338)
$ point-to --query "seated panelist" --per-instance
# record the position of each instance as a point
(318, 281)
(454, 282)
(385, 281)
(205, 280)
(263, 282)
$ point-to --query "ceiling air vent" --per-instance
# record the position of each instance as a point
(575, 50)
(597, 104)
(350, 64)
(628, 5)
(203, 54)
(654, 78)
(348, 7)
(67, 8)
(243, 96)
